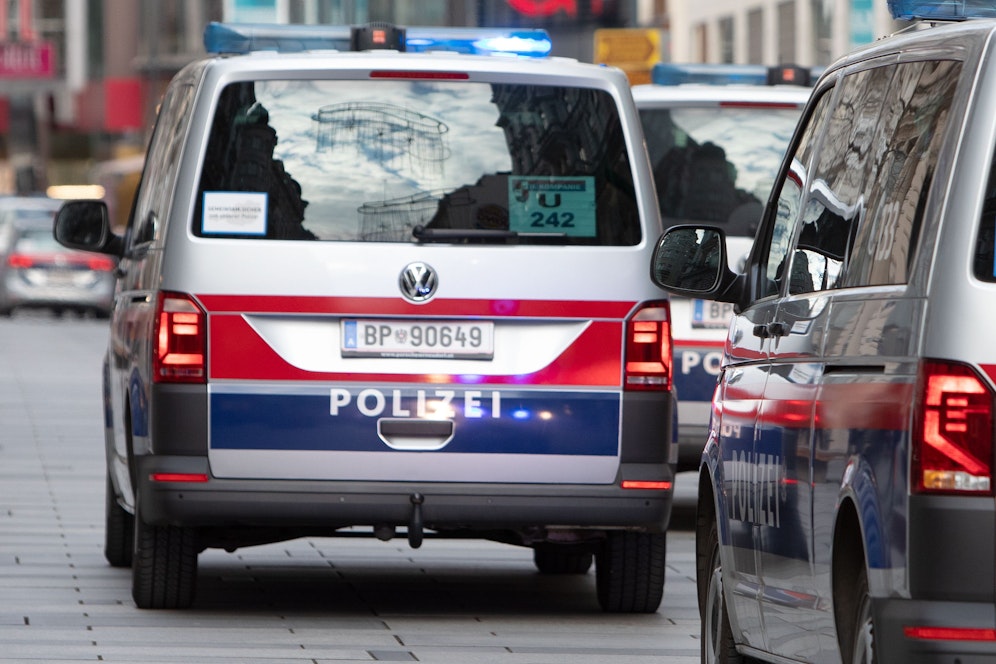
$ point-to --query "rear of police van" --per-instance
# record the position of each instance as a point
(414, 291)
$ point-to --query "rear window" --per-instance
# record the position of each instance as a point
(717, 163)
(417, 160)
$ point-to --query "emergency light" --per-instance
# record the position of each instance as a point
(241, 38)
(942, 10)
(667, 73)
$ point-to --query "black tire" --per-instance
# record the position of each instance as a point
(718, 646)
(164, 569)
(119, 530)
(863, 637)
(556, 560)
(629, 572)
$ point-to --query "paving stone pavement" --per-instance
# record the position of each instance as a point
(309, 600)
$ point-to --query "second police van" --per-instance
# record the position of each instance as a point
(716, 135)
(389, 280)
(846, 506)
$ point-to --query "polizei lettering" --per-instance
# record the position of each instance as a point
(754, 481)
(372, 402)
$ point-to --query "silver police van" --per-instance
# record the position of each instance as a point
(388, 281)
(716, 135)
(846, 508)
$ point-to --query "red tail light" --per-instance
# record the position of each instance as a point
(648, 348)
(953, 443)
(20, 261)
(100, 263)
(181, 340)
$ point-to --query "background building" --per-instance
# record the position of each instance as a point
(770, 32)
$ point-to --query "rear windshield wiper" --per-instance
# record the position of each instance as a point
(475, 234)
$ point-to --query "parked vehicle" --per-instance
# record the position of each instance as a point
(36, 272)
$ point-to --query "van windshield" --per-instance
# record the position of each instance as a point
(415, 161)
(717, 163)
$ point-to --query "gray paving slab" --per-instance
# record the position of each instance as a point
(310, 600)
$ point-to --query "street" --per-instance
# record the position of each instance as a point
(309, 600)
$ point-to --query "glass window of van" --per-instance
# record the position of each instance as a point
(789, 202)
(901, 163)
(717, 163)
(384, 160)
(155, 191)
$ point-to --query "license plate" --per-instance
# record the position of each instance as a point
(710, 314)
(468, 340)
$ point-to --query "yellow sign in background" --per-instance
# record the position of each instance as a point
(634, 50)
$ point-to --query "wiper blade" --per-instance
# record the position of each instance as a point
(474, 234)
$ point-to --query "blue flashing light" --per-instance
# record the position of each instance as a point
(942, 10)
(248, 37)
(667, 73)
(479, 41)
(240, 38)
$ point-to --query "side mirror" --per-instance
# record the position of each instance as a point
(86, 225)
(691, 261)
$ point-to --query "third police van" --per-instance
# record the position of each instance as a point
(716, 135)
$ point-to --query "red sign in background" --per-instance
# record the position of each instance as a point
(26, 60)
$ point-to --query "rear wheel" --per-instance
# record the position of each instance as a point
(164, 569)
(119, 530)
(557, 560)
(718, 646)
(863, 643)
(629, 572)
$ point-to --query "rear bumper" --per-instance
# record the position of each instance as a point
(321, 505)
(892, 616)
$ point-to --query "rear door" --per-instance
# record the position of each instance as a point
(420, 276)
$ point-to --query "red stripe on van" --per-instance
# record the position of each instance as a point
(236, 352)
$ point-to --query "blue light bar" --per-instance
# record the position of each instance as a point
(667, 73)
(240, 38)
(480, 41)
(942, 10)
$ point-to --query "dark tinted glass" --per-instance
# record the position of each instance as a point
(372, 161)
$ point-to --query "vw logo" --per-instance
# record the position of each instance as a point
(418, 282)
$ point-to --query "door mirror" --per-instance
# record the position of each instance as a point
(85, 225)
(690, 260)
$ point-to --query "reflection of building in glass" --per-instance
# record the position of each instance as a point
(553, 131)
(384, 132)
(393, 220)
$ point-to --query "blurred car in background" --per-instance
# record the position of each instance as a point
(39, 273)
(716, 135)
(15, 208)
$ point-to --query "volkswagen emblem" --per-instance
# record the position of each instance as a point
(418, 282)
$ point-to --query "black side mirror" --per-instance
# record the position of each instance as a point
(86, 225)
(690, 259)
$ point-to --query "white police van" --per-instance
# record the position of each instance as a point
(846, 508)
(379, 278)
(716, 135)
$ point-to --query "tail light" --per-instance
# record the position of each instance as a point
(19, 261)
(953, 436)
(648, 349)
(100, 263)
(180, 340)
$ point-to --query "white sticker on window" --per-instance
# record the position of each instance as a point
(560, 205)
(234, 213)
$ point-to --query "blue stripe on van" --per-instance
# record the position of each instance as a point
(514, 422)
